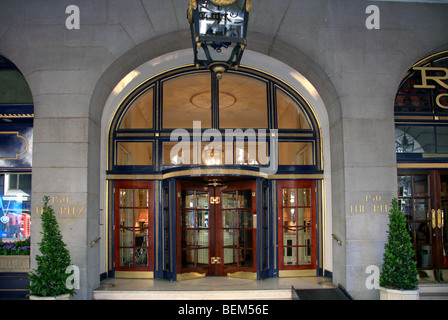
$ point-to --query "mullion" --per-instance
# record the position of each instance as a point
(296, 227)
(237, 225)
(296, 208)
(214, 84)
(195, 232)
(195, 228)
(133, 227)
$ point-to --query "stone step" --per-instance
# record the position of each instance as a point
(433, 291)
(193, 295)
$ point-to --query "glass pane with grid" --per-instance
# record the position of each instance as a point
(194, 229)
(238, 229)
(134, 241)
(414, 202)
(296, 210)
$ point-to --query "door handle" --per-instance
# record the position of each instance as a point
(215, 260)
(440, 218)
(433, 218)
(443, 219)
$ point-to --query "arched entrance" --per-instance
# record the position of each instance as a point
(421, 129)
(16, 145)
(182, 131)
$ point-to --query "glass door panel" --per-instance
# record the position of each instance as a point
(133, 226)
(236, 231)
(194, 230)
(423, 201)
(245, 219)
(126, 197)
(217, 232)
(228, 200)
(297, 216)
(414, 202)
(438, 227)
(444, 208)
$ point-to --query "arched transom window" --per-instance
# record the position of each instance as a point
(187, 117)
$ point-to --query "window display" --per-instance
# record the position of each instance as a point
(16, 141)
(15, 205)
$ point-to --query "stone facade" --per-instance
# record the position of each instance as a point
(355, 70)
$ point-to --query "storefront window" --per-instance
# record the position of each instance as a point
(421, 107)
(15, 207)
(442, 139)
(421, 139)
(16, 139)
(415, 139)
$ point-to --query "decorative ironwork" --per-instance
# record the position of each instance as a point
(218, 32)
(192, 6)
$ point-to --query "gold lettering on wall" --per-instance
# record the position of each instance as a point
(63, 207)
(373, 203)
(357, 208)
(434, 75)
(425, 72)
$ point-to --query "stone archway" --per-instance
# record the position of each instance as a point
(324, 105)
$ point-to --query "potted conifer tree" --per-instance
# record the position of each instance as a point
(398, 278)
(49, 280)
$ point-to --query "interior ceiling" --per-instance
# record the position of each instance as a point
(243, 100)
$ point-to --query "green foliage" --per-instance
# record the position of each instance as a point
(17, 248)
(50, 277)
(399, 270)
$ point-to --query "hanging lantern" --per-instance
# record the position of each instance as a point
(218, 32)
